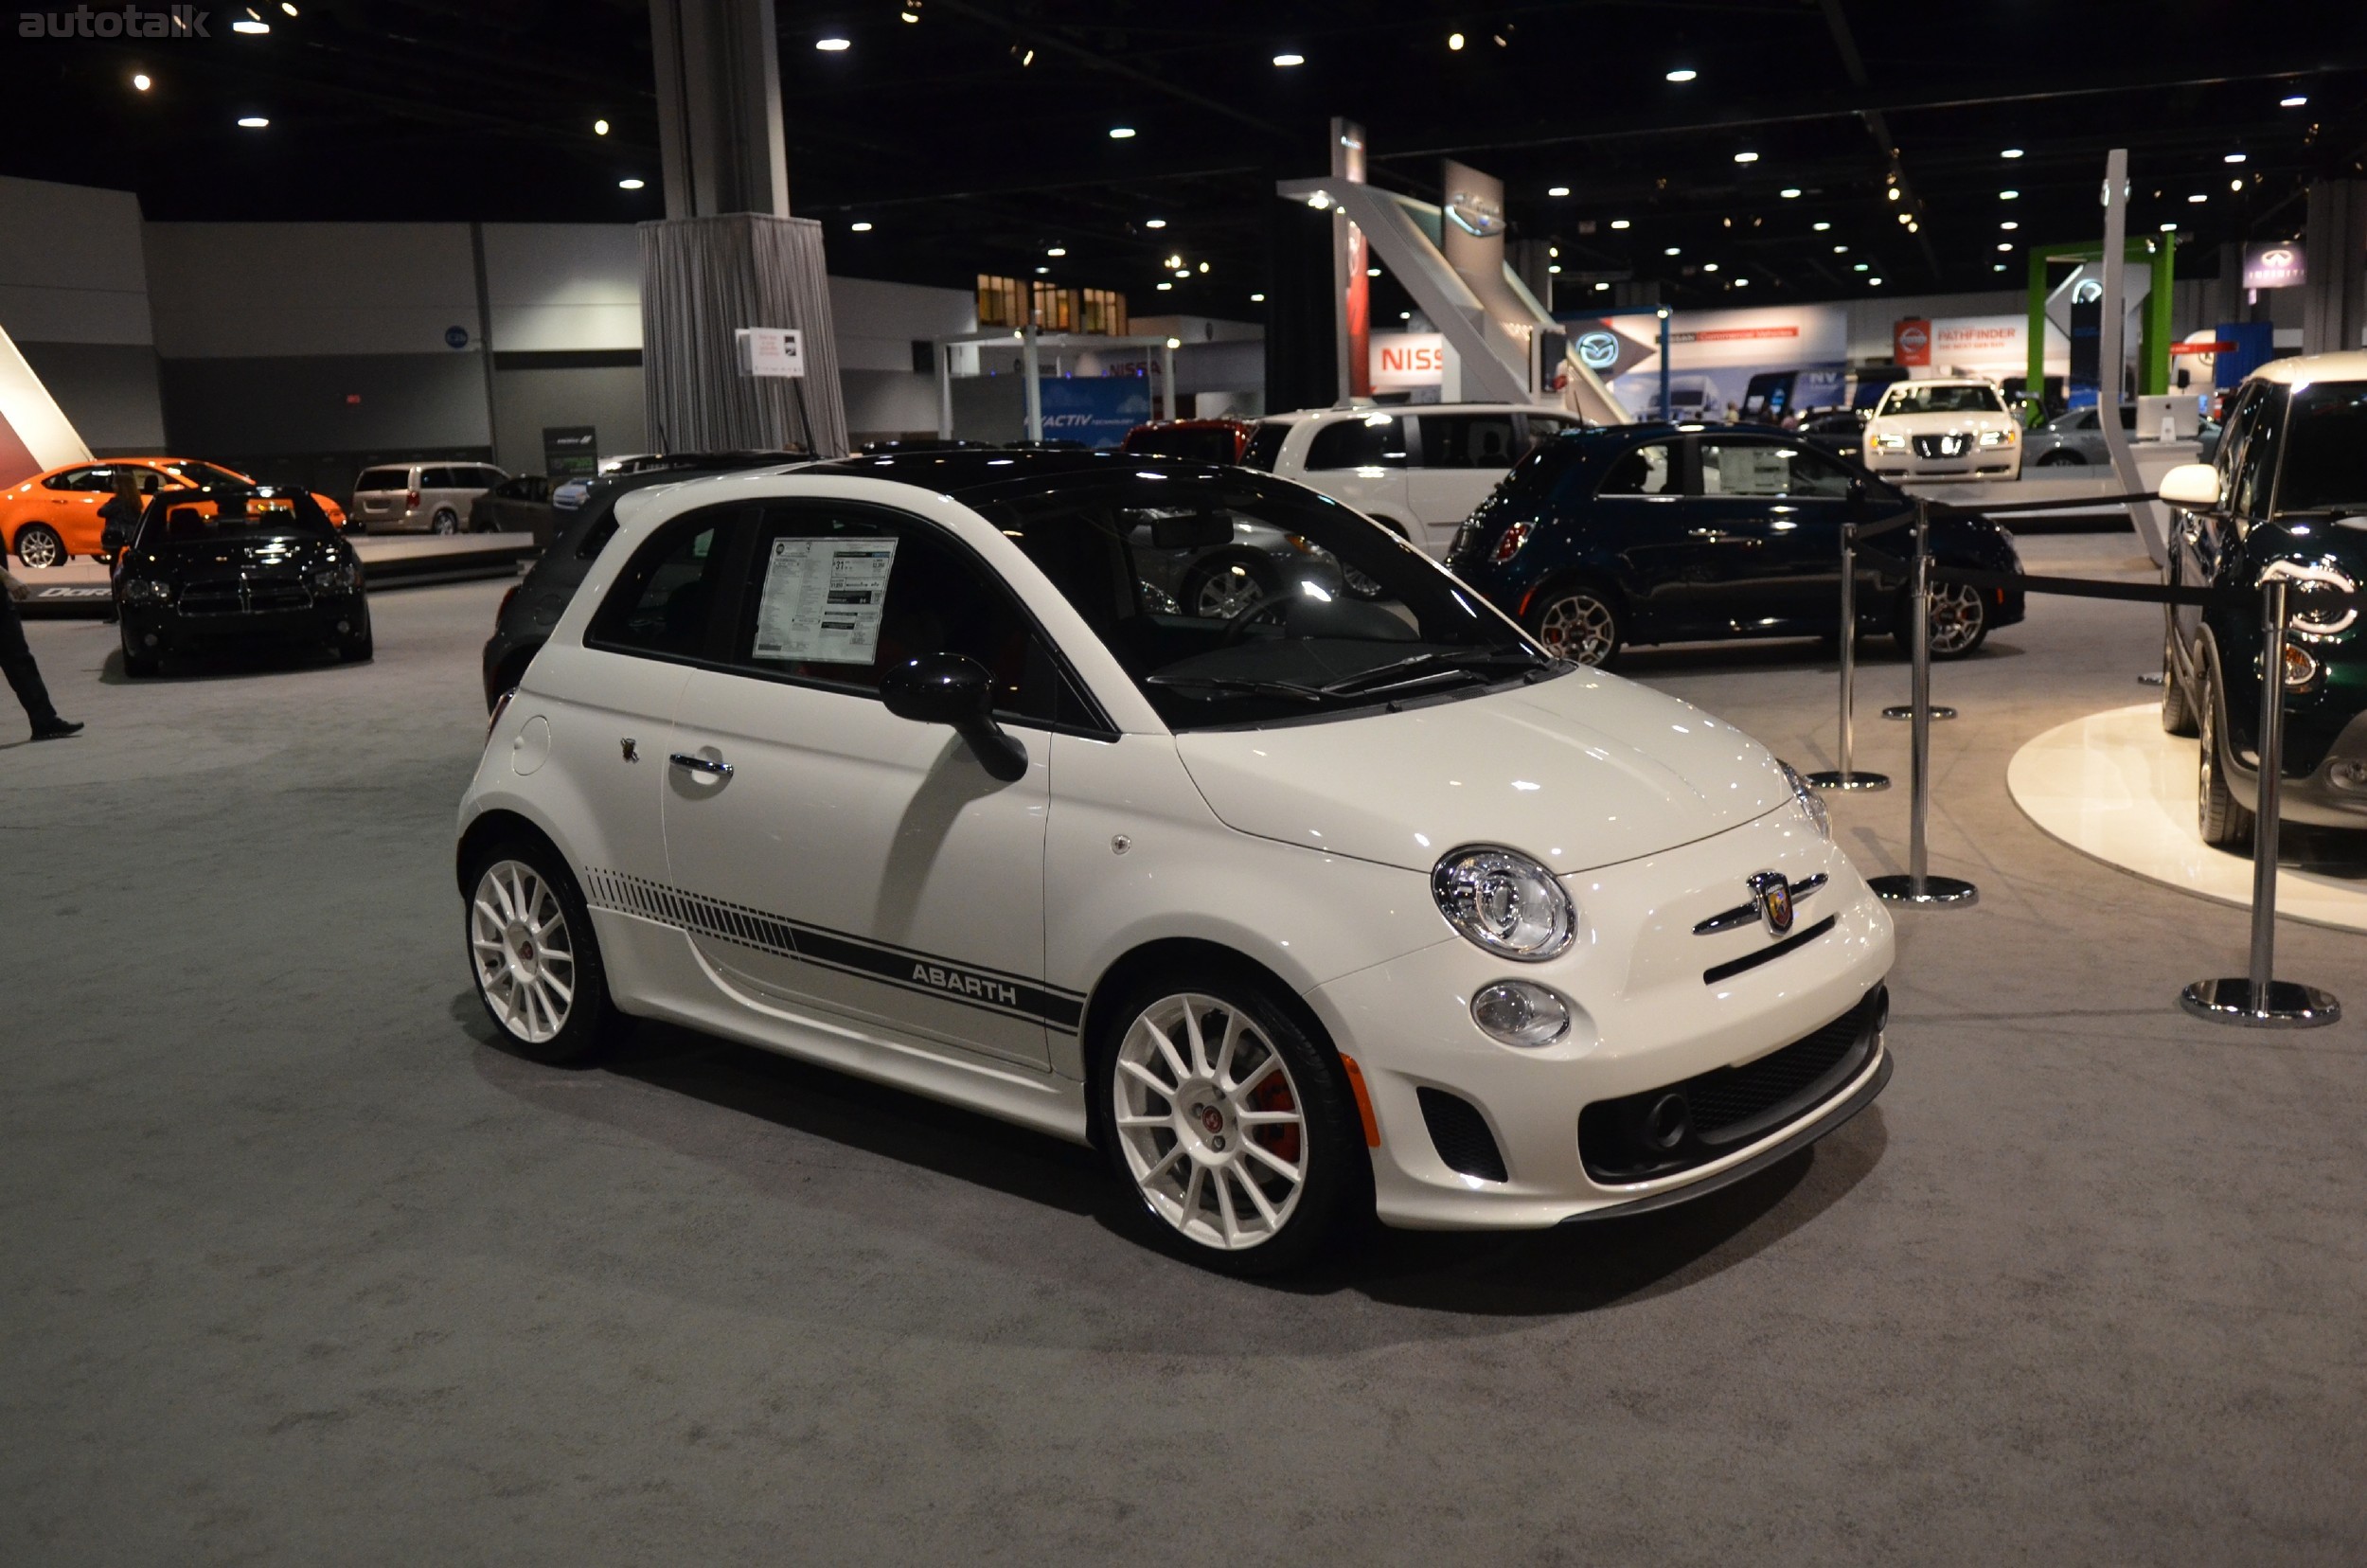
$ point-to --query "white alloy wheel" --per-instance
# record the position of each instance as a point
(1210, 1121)
(1958, 619)
(1579, 625)
(525, 956)
(1226, 593)
(38, 547)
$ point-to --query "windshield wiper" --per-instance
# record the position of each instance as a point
(1429, 666)
(1230, 685)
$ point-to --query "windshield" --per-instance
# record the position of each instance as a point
(188, 517)
(204, 474)
(2325, 449)
(1205, 443)
(1248, 602)
(1924, 397)
(1265, 445)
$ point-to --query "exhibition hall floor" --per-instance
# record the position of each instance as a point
(301, 1269)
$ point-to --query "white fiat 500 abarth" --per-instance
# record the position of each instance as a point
(1354, 903)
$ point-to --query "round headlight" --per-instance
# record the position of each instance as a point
(1503, 901)
(1519, 1013)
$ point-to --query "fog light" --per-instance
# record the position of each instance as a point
(2300, 669)
(2347, 775)
(1520, 1013)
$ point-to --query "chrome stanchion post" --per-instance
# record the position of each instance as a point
(1846, 776)
(1919, 887)
(1920, 595)
(2259, 999)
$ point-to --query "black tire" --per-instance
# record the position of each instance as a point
(1186, 1165)
(38, 547)
(1579, 621)
(2224, 821)
(2062, 457)
(524, 955)
(1235, 580)
(361, 650)
(2178, 714)
(139, 663)
(1960, 621)
(446, 521)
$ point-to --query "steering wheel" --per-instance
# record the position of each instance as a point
(1276, 609)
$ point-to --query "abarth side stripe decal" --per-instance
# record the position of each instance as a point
(989, 990)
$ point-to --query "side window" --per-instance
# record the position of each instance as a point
(1377, 440)
(837, 595)
(2258, 468)
(72, 479)
(664, 605)
(1650, 469)
(1770, 469)
(2238, 432)
(1544, 428)
(1467, 440)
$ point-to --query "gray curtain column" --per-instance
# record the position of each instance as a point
(2333, 299)
(702, 279)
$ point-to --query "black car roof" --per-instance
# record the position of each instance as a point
(957, 472)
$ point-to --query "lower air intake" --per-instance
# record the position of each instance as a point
(1460, 1134)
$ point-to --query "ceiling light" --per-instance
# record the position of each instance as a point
(252, 123)
(250, 27)
(1121, 133)
(2197, 199)
(1027, 60)
(1175, 261)
(2009, 223)
(1165, 287)
(1258, 300)
(833, 46)
(1840, 250)
(1620, 224)
(1554, 269)
(1454, 41)
(629, 183)
(1913, 227)
(2011, 152)
(2004, 246)
(1290, 60)
(1321, 201)
(599, 128)
(2232, 157)
(1893, 193)
(1860, 267)
(1789, 193)
(1742, 282)
(1997, 266)
(2008, 195)
(860, 226)
(285, 6)
(1371, 272)
(140, 82)
(1746, 157)
(1559, 190)
(1154, 223)
(1204, 266)
(1405, 315)
(2235, 184)
(2293, 100)
(1906, 216)
(1182, 272)
(1554, 252)
(1683, 73)
(1057, 250)
(1602, 287)
(1874, 283)
(1670, 251)
(1709, 266)
(2169, 228)
(1041, 271)
(1821, 227)
(909, 16)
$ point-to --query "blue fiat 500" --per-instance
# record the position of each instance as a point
(1654, 533)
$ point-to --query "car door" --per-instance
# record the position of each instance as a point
(1769, 513)
(1640, 515)
(847, 861)
(1361, 460)
(2206, 538)
(1462, 457)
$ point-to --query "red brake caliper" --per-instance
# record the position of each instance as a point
(1281, 1142)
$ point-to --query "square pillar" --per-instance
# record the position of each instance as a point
(702, 279)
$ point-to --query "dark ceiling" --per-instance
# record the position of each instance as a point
(976, 138)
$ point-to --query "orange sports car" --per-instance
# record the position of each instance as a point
(53, 517)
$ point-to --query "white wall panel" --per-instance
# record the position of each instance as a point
(877, 322)
(559, 287)
(220, 291)
(71, 264)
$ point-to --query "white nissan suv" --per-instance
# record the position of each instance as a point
(1943, 429)
(1345, 903)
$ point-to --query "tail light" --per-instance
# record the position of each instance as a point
(501, 705)
(502, 614)
(1508, 543)
(411, 498)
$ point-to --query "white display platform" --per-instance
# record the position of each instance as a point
(2115, 786)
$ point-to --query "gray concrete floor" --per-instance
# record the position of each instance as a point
(301, 1269)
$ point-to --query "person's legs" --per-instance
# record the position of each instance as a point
(16, 660)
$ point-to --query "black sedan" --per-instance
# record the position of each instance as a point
(1658, 533)
(227, 567)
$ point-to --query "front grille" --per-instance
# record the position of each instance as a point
(1943, 445)
(1460, 1134)
(1708, 1116)
(235, 598)
(210, 599)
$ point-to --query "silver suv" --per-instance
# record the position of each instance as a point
(430, 496)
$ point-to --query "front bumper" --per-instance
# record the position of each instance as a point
(1646, 1016)
(323, 621)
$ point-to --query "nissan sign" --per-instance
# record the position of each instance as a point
(1911, 341)
(2274, 266)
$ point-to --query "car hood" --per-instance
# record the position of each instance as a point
(1938, 424)
(1580, 771)
(282, 553)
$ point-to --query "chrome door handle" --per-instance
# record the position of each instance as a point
(702, 765)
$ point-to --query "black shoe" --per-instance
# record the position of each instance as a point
(56, 729)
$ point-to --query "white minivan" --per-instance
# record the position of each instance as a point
(1342, 905)
(434, 497)
(1417, 469)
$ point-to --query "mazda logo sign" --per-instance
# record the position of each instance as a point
(1598, 350)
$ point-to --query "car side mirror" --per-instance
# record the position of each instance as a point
(948, 688)
(2190, 484)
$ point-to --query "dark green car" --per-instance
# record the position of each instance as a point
(2288, 484)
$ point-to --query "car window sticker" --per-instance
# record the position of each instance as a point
(823, 599)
